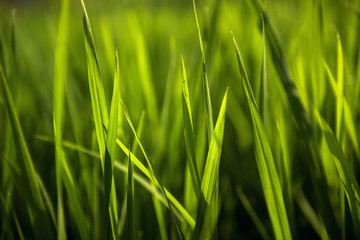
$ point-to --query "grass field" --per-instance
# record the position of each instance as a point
(179, 119)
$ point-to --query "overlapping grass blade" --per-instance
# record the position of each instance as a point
(264, 159)
(189, 132)
(339, 90)
(347, 176)
(206, 89)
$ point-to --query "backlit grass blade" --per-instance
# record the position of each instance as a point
(206, 89)
(130, 199)
(36, 207)
(265, 162)
(340, 90)
(189, 132)
(150, 166)
(211, 173)
(346, 174)
(60, 75)
(264, 88)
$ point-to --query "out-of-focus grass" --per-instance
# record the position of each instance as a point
(284, 152)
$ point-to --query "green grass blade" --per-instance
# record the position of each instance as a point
(340, 90)
(211, 172)
(60, 75)
(189, 132)
(130, 199)
(206, 89)
(264, 159)
(264, 93)
(346, 174)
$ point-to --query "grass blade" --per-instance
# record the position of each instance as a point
(60, 75)
(211, 172)
(189, 132)
(206, 89)
(264, 159)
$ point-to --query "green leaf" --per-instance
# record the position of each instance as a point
(206, 89)
(211, 172)
(189, 132)
(265, 162)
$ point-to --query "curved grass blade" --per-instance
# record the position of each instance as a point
(206, 89)
(264, 159)
(189, 132)
(347, 176)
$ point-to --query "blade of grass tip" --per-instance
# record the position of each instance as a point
(348, 116)
(254, 217)
(60, 72)
(189, 132)
(211, 172)
(346, 174)
(208, 198)
(130, 199)
(150, 166)
(264, 159)
(30, 184)
(206, 89)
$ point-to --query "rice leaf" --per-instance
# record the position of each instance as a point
(206, 89)
(347, 176)
(340, 90)
(264, 159)
(189, 132)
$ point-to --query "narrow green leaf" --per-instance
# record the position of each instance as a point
(60, 75)
(206, 89)
(264, 93)
(211, 173)
(340, 90)
(264, 159)
(189, 132)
